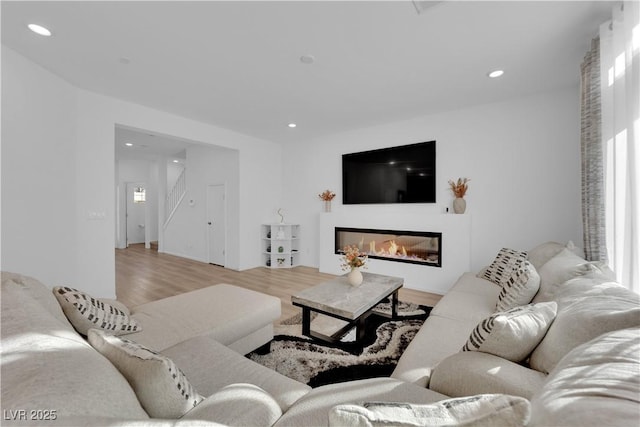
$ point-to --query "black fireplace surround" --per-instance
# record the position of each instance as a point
(415, 247)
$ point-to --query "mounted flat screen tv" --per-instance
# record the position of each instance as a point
(402, 174)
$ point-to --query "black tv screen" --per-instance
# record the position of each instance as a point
(402, 174)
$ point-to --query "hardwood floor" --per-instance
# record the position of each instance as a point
(144, 275)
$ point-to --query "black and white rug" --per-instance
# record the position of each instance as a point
(314, 363)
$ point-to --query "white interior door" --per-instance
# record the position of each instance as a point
(216, 227)
(136, 209)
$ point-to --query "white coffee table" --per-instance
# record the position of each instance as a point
(353, 304)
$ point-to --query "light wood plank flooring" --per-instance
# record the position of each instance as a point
(144, 275)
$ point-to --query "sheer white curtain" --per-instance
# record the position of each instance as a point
(620, 98)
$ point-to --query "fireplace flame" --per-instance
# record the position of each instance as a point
(393, 248)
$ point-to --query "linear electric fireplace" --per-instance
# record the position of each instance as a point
(416, 247)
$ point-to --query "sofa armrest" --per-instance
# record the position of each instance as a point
(237, 405)
(471, 372)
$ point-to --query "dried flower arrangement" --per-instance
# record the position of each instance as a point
(460, 187)
(352, 258)
(327, 195)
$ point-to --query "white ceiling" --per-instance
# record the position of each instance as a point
(148, 146)
(237, 64)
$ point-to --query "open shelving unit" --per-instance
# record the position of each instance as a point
(280, 245)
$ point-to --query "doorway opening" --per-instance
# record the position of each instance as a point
(136, 214)
(195, 223)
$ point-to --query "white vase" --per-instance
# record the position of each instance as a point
(355, 277)
(459, 205)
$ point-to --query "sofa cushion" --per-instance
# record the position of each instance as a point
(207, 364)
(472, 372)
(449, 324)
(588, 306)
(161, 387)
(564, 266)
(38, 292)
(503, 266)
(237, 405)
(470, 283)
(512, 334)
(47, 365)
(470, 298)
(85, 312)
(520, 288)
(438, 338)
(479, 410)
(596, 384)
(313, 408)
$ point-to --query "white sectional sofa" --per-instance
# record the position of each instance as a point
(589, 303)
(584, 372)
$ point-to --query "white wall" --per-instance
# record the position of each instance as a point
(38, 172)
(58, 141)
(186, 234)
(523, 158)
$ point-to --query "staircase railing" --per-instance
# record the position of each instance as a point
(174, 197)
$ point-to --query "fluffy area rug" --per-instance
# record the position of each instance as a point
(314, 363)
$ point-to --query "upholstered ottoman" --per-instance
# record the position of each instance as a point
(239, 318)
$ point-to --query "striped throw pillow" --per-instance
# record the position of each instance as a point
(478, 410)
(513, 334)
(520, 288)
(162, 389)
(505, 263)
(85, 312)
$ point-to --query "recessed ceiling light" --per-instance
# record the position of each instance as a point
(39, 29)
(307, 59)
(292, 125)
(128, 144)
(495, 73)
(176, 161)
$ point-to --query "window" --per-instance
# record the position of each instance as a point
(139, 195)
(620, 55)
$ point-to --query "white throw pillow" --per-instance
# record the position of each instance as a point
(85, 312)
(503, 266)
(542, 253)
(588, 306)
(513, 334)
(162, 388)
(480, 410)
(565, 266)
(520, 289)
